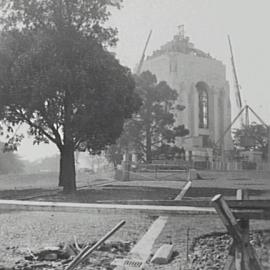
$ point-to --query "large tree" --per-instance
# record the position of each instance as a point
(153, 127)
(252, 137)
(57, 75)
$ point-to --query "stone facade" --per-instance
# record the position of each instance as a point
(200, 81)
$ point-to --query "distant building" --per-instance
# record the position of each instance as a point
(200, 81)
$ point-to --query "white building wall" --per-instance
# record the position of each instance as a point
(182, 72)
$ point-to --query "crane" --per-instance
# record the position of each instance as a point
(237, 86)
(138, 71)
(247, 140)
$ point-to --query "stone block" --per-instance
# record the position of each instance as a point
(163, 254)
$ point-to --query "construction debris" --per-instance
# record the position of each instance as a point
(163, 255)
(59, 257)
(83, 255)
(212, 249)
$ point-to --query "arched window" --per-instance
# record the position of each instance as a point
(203, 105)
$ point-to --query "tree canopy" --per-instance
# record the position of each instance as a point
(154, 125)
(252, 137)
(57, 75)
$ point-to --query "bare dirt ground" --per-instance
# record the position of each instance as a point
(224, 179)
(22, 230)
(29, 186)
(177, 228)
(49, 180)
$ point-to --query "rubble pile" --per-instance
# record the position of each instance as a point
(60, 256)
(211, 251)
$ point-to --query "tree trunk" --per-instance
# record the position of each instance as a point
(67, 160)
(61, 178)
(148, 146)
(67, 175)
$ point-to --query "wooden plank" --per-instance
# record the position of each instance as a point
(249, 260)
(245, 257)
(202, 203)
(192, 174)
(230, 262)
(154, 210)
(251, 214)
(157, 210)
(180, 196)
(233, 204)
(248, 254)
(143, 248)
(241, 256)
(242, 194)
(249, 204)
(168, 171)
(83, 255)
(227, 218)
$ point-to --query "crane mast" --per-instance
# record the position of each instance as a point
(237, 86)
(138, 71)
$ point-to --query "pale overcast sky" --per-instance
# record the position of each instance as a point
(207, 23)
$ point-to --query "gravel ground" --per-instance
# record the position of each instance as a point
(20, 231)
(175, 232)
(212, 250)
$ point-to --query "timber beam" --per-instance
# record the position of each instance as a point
(147, 209)
(242, 255)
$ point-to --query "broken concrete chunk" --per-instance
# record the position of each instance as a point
(163, 254)
(50, 257)
(52, 248)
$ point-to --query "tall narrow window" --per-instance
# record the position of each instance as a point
(203, 105)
